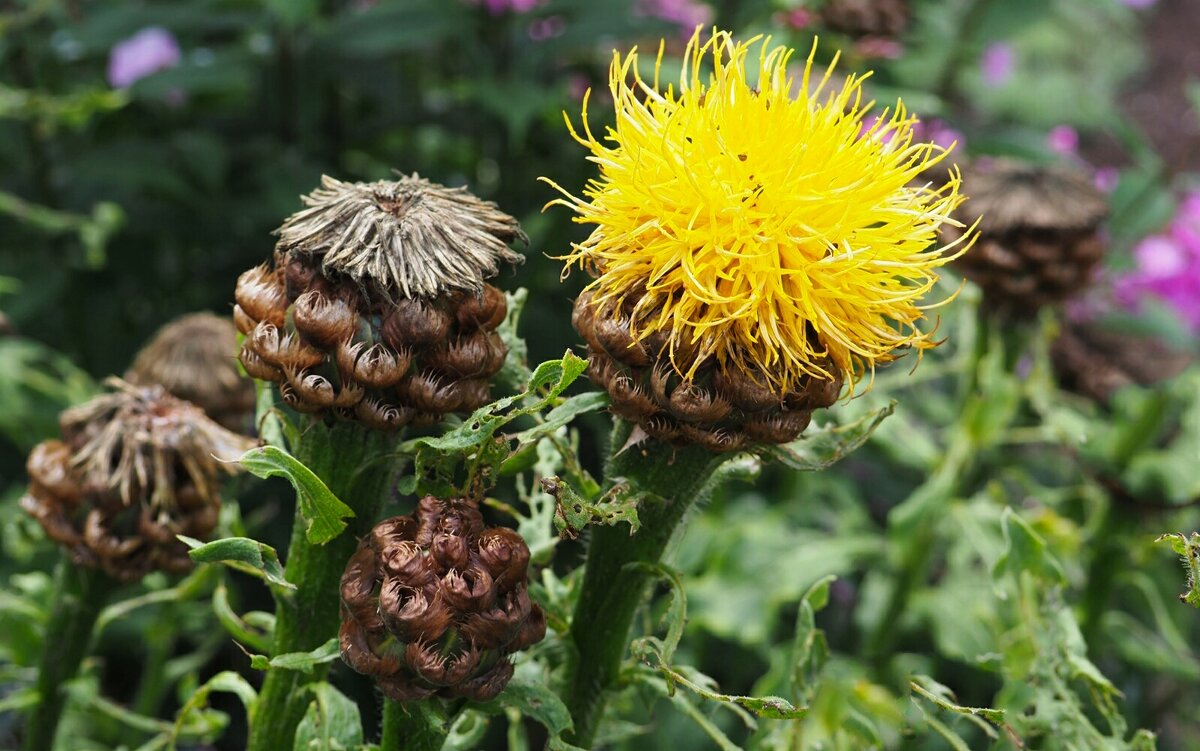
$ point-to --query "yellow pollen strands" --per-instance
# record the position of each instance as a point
(735, 216)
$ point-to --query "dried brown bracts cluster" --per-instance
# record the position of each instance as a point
(135, 467)
(1038, 233)
(348, 320)
(860, 18)
(1096, 362)
(193, 358)
(433, 603)
(715, 409)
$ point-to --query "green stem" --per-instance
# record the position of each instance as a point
(671, 481)
(82, 593)
(160, 646)
(417, 726)
(344, 457)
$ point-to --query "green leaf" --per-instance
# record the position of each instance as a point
(930, 690)
(1188, 548)
(573, 513)
(534, 699)
(318, 505)
(810, 650)
(243, 554)
(822, 448)
(238, 628)
(228, 682)
(1025, 550)
(475, 445)
(305, 662)
(332, 722)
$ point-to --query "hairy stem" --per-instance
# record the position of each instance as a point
(670, 481)
(82, 594)
(417, 726)
(344, 456)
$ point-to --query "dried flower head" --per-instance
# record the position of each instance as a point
(1039, 241)
(408, 238)
(376, 308)
(434, 603)
(135, 467)
(758, 227)
(193, 357)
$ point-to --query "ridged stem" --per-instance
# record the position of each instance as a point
(416, 726)
(81, 595)
(670, 481)
(345, 457)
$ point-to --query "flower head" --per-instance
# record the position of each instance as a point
(150, 50)
(746, 218)
(997, 64)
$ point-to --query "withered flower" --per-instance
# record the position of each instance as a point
(433, 603)
(193, 357)
(134, 468)
(866, 18)
(1039, 241)
(1096, 362)
(376, 308)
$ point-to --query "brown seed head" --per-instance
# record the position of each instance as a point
(135, 468)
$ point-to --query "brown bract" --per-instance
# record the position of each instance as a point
(434, 603)
(859, 18)
(1096, 362)
(193, 357)
(1038, 233)
(714, 409)
(135, 467)
(376, 308)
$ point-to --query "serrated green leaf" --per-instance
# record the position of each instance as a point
(1188, 548)
(243, 554)
(534, 699)
(332, 722)
(822, 448)
(321, 509)
(934, 692)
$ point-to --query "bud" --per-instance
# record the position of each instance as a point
(433, 603)
(1038, 233)
(376, 308)
(1096, 362)
(134, 468)
(193, 358)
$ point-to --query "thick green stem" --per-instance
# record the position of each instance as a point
(82, 594)
(670, 481)
(346, 458)
(418, 726)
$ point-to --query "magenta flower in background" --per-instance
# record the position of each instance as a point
(686, 14)
(1168, 267)
(997, 63)
(1106, 178)
(150, 50)
(1138, 4)
(796, 18)
(1063, 139)
(500, 7)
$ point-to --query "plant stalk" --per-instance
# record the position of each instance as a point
(82, 594)
(417, 726)
(670, 482)
(345, 457)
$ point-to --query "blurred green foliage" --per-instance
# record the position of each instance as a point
(981, 574)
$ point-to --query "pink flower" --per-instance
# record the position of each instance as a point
(1167, 267)
(686, 14)
(1138, 4)
(939, 132)
(150, 50)
(1063, 139)
(795, 19)
(1106, 178)
(500, 7)
(997, 64)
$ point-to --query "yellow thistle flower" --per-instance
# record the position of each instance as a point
(735, 217)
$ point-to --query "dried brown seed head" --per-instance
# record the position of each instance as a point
(404, 239)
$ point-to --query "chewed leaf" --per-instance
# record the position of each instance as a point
(822, 448)
(1188, 549)
(321, 509)
(573, 512)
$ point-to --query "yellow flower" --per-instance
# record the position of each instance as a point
(769, 230)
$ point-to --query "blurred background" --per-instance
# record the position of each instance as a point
(149, 149)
